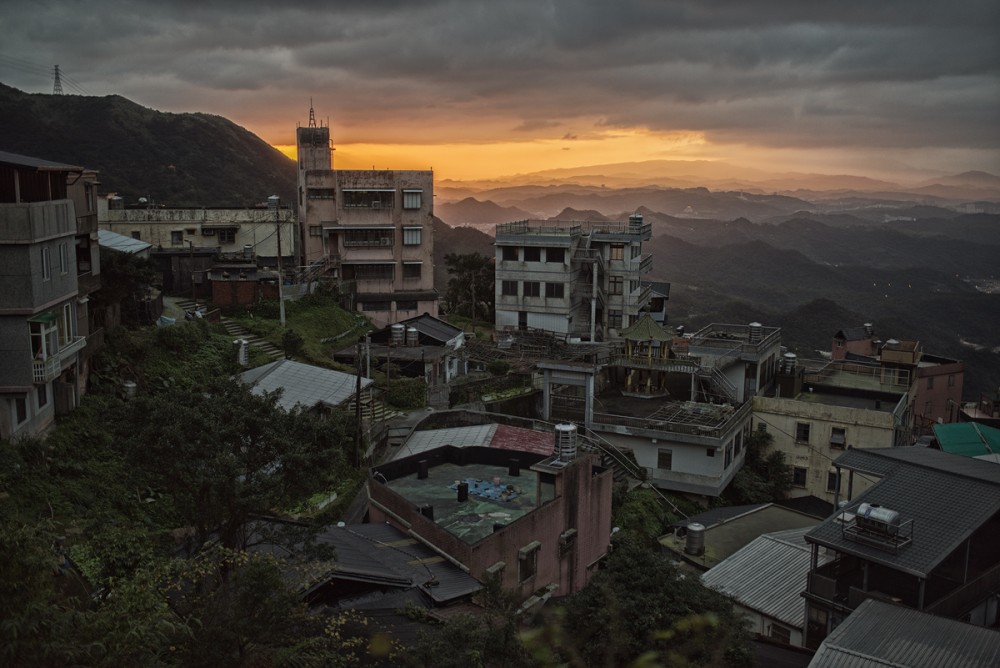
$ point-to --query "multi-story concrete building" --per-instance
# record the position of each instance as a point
(582, 279)
(186, 241)
(685, 416)
(371, 229)
(45, 248)
(820, 409)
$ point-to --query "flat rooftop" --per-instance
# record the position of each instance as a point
(495, 496)
(818, 396)
(660, 412)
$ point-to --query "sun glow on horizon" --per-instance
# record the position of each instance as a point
(506, 158)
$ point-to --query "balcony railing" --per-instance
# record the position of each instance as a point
(46, 370)
(682, 365)
(961, 600)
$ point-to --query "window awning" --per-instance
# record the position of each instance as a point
(413, 261)
(367, 262)
(334, 227)
(220, 226)
(413, 190)
(837, 439)
(48, 317)
(367, 190)
(413, 227)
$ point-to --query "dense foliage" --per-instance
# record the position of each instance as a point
(470, 290)
(764, 477)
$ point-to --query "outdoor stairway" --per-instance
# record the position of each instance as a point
(236, 331)
(372, 409)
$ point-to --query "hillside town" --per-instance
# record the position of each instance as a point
(843, 509)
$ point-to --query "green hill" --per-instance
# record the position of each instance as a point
(172, 159)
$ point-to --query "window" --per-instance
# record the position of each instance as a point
(729, 455)
(554, 290)
(43, 396)
(375, 306)
(615, 284)
(177, 238)
(781, 634)
(508, 254)
(412, 270)
(508, 288)
(368, 238)
(20, 410)
(802, 432)
(665, 459)
(411, 236)
(227, 236)
(555, 255)
(190, 231)
(320, 193)
(406, 305)
(930, 383)
(709, 452)
(617, 251)
(412, 199)
(63, 259)
(739, 443)
(46, 264)
(762, 427)
(65, 325)
(372, 272)
(367, 199)
(951, 380)
(614, 319)
(136, 234)
(532, 289)
(838, 437)
(799, 476)
(527, 561)
(315, 230)
(832, 482)
(532, 254)
(636, 251)
(208, 231)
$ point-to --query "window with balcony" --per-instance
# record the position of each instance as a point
(532, 289)
(177, 238)
(665, 459)
(367, 199)
(554, 290)
(799, 476)
(802, 432)
(44, 334)
(617, 252)
(532, 254)
(412, 199)
(615, 285)
(508, 254)
(838, 437)
(508, 288)
(411, 236)
(557, 255)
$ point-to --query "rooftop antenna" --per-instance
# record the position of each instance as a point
(57, 85)
(312, 114)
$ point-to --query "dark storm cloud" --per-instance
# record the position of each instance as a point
(773, 72)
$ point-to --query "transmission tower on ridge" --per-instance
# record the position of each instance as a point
(57, 84)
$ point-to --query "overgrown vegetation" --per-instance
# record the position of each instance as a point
(764, 477)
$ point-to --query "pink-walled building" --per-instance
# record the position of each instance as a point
(539, 523)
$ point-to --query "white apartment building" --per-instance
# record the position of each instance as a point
(581, 279)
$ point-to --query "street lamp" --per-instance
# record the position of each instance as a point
(272, 203)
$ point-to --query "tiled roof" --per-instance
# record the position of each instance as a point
(948, 497)
(646, 329)
(853, 334)
(879, 635)
(303, 384)
(768, 575)
(969, 439)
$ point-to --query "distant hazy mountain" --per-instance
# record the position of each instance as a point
(574, 214)
(471, 211)
(172, 159)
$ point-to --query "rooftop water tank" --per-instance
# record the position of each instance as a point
(412, 336)
(695, 544)
(397, 334)
(565, 442)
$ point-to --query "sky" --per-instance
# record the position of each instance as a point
(479, 89)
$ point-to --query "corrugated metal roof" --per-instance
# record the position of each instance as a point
(880, 634)
(947, 496)
(36, 163)
(492, 435)
(303, 383)
(433, 327)
(968, 439)
(768, 575)
(121, 243)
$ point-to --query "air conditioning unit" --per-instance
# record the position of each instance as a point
(376, 204)
(386, 241)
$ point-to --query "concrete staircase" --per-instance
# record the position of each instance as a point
(372, 409)
(237, 331)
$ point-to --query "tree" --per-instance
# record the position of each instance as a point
(223, 454)
(765, 475)
(471, 290)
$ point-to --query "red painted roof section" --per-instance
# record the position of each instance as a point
(523, 440)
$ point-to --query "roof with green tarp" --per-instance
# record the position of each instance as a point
(969, 439)
(646, 329)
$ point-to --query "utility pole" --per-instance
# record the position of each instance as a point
(272, 202)
(357, 411)
(194, 296)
